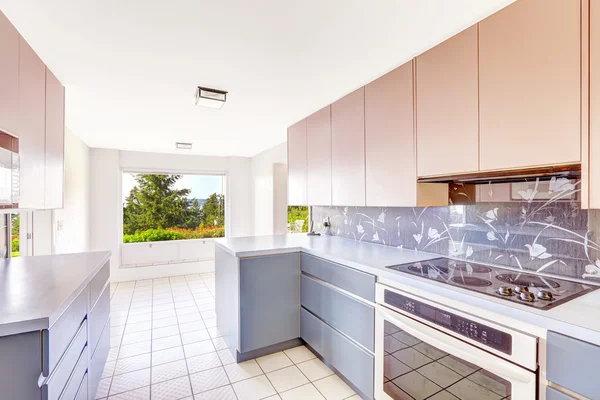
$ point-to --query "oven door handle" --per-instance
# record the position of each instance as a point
(462, 350)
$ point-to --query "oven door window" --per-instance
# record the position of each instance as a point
(413, 369)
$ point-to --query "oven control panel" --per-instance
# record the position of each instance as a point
(491, 337)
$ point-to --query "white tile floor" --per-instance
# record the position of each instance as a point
(164, 346)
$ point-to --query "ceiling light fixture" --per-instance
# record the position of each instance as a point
(183, 146)
(210, 97)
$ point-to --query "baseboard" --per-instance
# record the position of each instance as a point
(161, 271)
(265, 351)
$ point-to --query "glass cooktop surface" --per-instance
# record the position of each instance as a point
(524, 288)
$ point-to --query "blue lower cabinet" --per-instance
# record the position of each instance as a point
(269, 301)
(353, 362)
(573, 364)
(349, 279)
(98, 361)
(346, 314)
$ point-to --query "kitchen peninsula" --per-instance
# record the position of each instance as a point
(54, 325)
(274, 292)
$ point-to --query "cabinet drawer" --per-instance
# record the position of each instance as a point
(82, 394)
(98, 361)
(97, 318)
(348, 315)
(352, 280)
(573, 364)
(77, 377)
(553, 394)
(56, 339)
(55, 384)
(98, 282)
(350, 360)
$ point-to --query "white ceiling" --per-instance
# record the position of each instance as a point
(131, 66)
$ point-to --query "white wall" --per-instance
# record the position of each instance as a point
(71, 225)
(270, 197)
(106, 199)
(280, 200)
(105, 204)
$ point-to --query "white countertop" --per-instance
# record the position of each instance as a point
(34, 291)
(579, 318)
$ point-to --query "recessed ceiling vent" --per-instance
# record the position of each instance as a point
(212, 98)
(183, 146)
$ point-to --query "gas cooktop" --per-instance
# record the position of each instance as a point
(525, 288)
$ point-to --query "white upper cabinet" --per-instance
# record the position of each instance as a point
(348, 150)
(9, 77)
(318, 157)
(55, 141)
(593, 179)
(448, 107)
(32, 127)
(530, 85)
(297, 164)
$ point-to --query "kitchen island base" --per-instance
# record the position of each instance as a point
(55, 330)
(266, 304)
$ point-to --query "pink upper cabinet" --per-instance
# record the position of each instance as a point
(297, 164)
(447, 107)
(529, 70)
(32, 127)
(9, 76)
(318, 157)
(594, 138)
(348, 150)
(55, 134)
(389, 137)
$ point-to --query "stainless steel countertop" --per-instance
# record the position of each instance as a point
(577, 318)
(35, 291)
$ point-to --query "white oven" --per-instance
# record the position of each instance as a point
(425, 350)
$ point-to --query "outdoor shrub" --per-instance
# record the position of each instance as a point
(158, 235)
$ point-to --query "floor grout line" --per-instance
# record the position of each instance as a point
(212, 339)
(187, 368)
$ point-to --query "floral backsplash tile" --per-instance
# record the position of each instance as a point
(540, 227)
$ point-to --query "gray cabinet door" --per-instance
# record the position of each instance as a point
(98, 361)
(349, 279)
(52, 389)
(97, 318)
(82, 394)
(348, 315)
(354, 363)
(77, 377)
(269, 300)
(56, 339)
(573, 364)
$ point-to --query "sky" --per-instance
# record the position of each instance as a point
(201, 185)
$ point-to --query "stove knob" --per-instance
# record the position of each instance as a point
(505, 291)
(544, 295)
(527, 296)
(521, 289)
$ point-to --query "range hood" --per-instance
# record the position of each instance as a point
(570, 171)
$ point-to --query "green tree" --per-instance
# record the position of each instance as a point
(298, 213)
(213, 210)
(154, 203)
(16, 224)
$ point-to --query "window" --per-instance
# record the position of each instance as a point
(159, 207)
(297, 219)
(15, 227)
